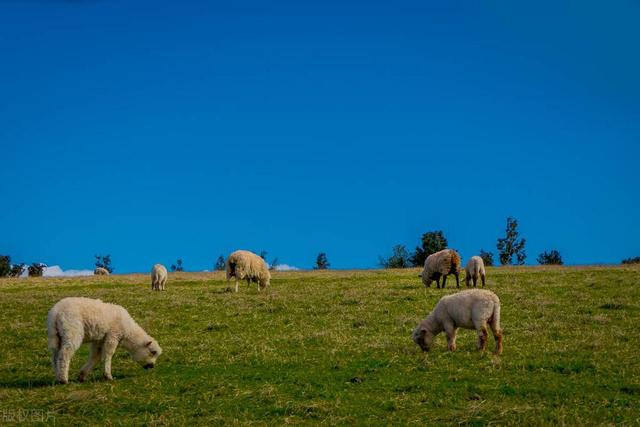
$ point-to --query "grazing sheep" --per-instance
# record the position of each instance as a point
(441, 264)
(470, 309)
(473, 269)
(99, 271)
(158, 277)
(247, 265)
(73, 321)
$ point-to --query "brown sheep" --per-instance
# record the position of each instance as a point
(441, 264)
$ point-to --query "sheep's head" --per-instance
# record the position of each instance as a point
(426, 279)
(423, 337)
(264, 280)
(147, 353)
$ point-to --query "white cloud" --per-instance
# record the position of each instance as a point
(286, 267)
(56, 271)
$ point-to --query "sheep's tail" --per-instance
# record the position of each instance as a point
(53, 335)
(495, 318)
(495, 326)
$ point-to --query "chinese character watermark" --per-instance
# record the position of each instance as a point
(26, 415)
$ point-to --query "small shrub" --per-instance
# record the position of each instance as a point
(399, 258)
(322, 263)
(552, 257)
(220, 263)
(487, 257)
(177, 266)
(17, 270)
(510, 246)
(37, 269)
(5, 265)
(634, 260)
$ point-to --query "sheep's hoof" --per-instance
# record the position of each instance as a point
(108, 377)
(82, 377)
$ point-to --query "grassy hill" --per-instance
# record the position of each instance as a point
(335, 346)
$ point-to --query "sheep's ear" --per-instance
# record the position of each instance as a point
(423, 331)
(148, 344)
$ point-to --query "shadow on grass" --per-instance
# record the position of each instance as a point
(28, 383)
(50, 382)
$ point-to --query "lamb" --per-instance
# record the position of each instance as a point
(104, 326)
(247, 265)
(158, 277)
(469, 309)
(441, 264)
(473, 269)
(99, 271)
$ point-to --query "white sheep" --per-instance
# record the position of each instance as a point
(104, 326)
(469, 309)
(246, 265)
(441, 264)
(473, 269)
(99, 271)
(158, 277)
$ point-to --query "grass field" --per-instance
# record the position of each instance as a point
(335, 347)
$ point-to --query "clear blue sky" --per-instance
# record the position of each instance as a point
(153, 130)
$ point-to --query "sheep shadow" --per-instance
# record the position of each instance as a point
(28, 383)
(25, 384)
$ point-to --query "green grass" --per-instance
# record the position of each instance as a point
(335, 347)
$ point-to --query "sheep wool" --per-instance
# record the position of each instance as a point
(245, 265)
(158, 277)
(99, 271)
(72, 321)
(470, 309)
(441, 264)
(473, 269)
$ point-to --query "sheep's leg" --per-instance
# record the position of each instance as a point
(467, 279)
(54, 360)
(236, 284)
(475, 280)
(483, 337)
(64, 358)
(95, 352)
(497, 335)
(438, 282)
(457, 280)
(451, 332)
(444, 281)
(108, 349)
(483, 279)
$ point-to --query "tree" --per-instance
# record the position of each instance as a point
(177, 266)
(510, 245)
(37, 269)
(5, 265)
(274, 264)
(635, 260)
(322, 263)
(104, 261)
(550, 258)
(399, 258)
(487, 257)
(17, 270)
(432, 242)
(219, 264)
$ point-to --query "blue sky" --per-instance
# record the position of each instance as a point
(156, 130)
